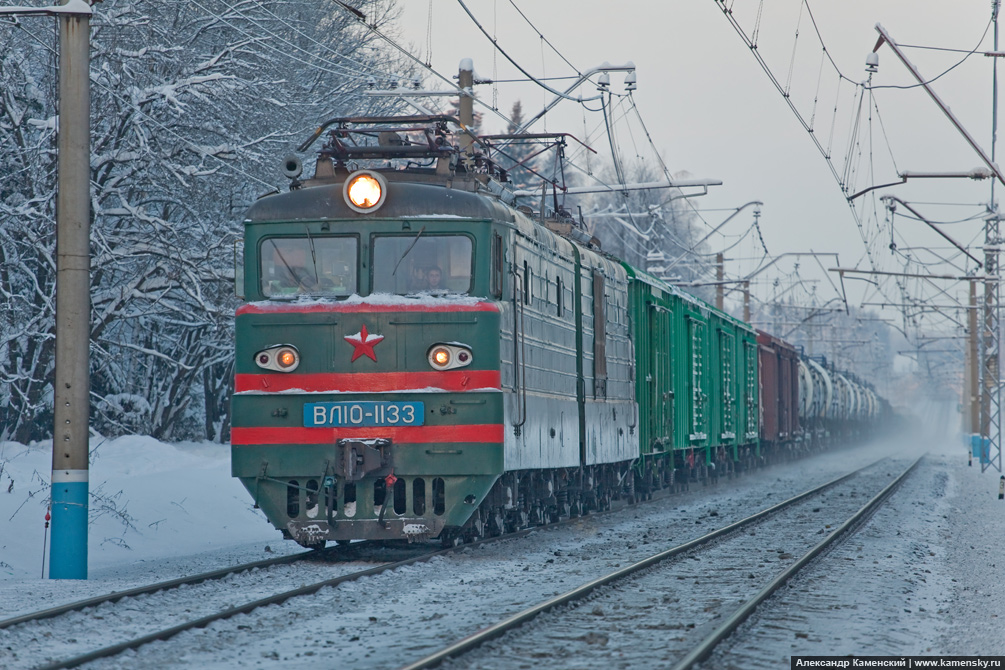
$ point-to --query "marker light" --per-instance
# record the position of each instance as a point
(281, 358)
(364, 191)
(449, 356)
(440, 357)
(286, 358)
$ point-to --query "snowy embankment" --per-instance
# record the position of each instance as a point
(150, 503)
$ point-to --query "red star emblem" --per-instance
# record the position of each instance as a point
(364, 343)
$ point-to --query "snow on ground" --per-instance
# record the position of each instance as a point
(157, 511)
(164, 510)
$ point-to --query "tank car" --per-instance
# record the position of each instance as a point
(835, 405)
(816, 392)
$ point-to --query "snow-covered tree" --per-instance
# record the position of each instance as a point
(517, 157)
(27, 236)
(193, 106)
(651, 229)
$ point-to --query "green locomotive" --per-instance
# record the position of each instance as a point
(421, 358)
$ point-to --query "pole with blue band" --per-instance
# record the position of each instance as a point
(71, 390)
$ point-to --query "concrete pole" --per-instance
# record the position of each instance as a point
(719, 275)
(466, 104)
(68, 551)
(973, 393)
(746, 302)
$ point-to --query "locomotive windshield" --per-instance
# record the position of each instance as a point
(421, 263)
(312, 265)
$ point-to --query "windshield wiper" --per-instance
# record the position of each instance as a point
(314, 258)
(417, 236)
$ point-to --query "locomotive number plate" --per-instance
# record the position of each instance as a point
(342, 414)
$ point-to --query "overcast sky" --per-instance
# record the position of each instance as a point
(713, 112)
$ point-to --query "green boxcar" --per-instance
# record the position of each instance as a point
(696, 376)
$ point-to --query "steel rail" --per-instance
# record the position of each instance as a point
(279, 598)
(496, 630)
(202, 622)
(115, 596)
(223, 572)
(705, 647)
(165, 634)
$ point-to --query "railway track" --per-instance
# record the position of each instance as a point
(355, 552)
(142, 617)
(167, 585)
(705, 614)
(145, 601)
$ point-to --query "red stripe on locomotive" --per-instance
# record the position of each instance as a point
(481, 433)
(369, 382)
(363, 308)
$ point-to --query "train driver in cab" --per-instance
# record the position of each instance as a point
(434, 279)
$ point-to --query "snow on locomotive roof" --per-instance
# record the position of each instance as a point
(438, 216)
(374, 299)
(404, 200)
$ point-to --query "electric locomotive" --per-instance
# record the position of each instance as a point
(369, 401)
(420, 357)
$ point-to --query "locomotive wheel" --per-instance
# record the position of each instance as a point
(477, 528)
(451, 537)
(496, 525)
(514, 521)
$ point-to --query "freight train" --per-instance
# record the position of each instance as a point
(420, 357)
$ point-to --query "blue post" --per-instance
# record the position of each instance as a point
(68, 551)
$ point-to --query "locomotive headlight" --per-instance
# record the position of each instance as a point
(449, 356)
(364, 191)
(281, 358)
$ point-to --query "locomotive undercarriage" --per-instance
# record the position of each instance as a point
(528, 498)
(516, 500)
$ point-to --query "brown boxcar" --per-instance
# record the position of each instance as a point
(779, 363)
